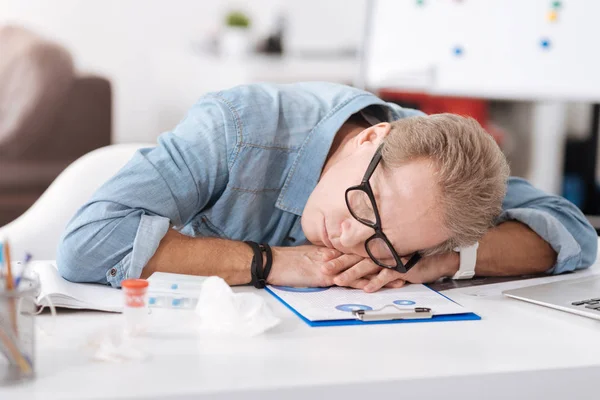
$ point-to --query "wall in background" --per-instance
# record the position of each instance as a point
(146, 47)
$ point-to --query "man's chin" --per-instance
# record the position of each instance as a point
(312, 237)
(316, 240)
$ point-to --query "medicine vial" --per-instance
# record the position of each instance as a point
(135, 309)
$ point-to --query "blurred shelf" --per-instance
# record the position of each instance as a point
(286, 69)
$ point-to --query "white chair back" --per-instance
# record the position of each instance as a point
(38, 230)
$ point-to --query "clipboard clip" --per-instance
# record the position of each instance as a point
(391, 312)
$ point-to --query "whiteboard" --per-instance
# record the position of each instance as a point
(409, 45)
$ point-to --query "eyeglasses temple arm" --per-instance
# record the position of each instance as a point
(373, 164)
(413, 260)
(411, 263)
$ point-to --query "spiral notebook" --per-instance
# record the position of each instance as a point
(343, 306)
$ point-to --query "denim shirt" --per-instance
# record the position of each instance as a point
(241, 165)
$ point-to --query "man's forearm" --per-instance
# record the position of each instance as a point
(182, 254)
(511, 248)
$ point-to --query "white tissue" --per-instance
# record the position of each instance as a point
(113, 345)
(222, 311)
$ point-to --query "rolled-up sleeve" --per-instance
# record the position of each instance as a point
(114, 235)
(554, 219)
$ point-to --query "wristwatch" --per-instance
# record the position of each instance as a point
(468, 259)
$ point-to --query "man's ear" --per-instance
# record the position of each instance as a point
(374, 134)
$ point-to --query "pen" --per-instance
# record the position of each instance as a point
(26, 261)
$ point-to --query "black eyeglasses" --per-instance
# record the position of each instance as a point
(362, 206)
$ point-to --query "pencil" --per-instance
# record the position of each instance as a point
(10, 283)
(15, 353)
(10, 286)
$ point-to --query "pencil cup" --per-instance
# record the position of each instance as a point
(17, 342)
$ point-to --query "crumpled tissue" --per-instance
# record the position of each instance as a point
(113, 345)
(222, 311)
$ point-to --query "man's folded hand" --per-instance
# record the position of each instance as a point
(361, 273)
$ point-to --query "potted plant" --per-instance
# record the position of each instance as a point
(235, 41)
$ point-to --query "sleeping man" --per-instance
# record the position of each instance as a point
(319, 184)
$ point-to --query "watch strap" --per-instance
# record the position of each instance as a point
(468, 259)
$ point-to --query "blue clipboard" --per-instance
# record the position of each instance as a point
(352, 321)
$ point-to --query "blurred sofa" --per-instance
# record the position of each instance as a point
(49, 116)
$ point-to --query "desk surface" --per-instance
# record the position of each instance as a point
(518, 350)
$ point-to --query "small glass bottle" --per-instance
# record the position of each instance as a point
(135, 308)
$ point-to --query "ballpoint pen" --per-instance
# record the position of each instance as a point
(26, 261)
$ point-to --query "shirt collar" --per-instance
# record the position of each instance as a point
(306, 170)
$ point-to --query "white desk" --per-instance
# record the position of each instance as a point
(518, 350)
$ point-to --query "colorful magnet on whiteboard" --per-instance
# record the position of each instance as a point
(552, 16)
(556, 4)
(458, 51)
(545, 43)
(420, 2)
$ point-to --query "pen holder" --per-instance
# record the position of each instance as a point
(17, 329)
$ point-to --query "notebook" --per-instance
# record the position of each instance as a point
(343, 306)
(67, 294)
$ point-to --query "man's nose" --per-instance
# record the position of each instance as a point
(354, 234)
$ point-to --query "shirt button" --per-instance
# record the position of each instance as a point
(291, 239)
(113, 272)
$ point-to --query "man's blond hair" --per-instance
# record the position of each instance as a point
(470, 169)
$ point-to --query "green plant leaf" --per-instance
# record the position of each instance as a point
(237, 18)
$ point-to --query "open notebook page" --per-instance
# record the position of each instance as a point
(75, 295)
